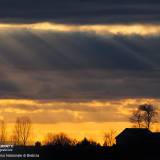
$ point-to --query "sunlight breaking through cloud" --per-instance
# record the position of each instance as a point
(138, 29)
(71, 111)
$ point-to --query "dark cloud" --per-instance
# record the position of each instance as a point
(48, 65)
(72, 51)
(82, 12)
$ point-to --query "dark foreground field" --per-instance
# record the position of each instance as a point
(83, 153)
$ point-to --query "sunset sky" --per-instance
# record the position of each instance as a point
(78, 66)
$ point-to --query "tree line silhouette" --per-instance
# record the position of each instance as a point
(61, 146)
(22, 134)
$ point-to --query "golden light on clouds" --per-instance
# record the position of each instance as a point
(21, 105)
(55, 112)
(139, 29)
(77, 119)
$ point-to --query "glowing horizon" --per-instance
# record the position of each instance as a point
(78, 126)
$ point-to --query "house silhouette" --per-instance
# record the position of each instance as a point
(131, 137)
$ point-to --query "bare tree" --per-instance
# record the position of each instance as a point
(22, 131)
(109, 138)
(137, 119)
(60, 139)
(144, 116)
(149, 114)
(3, 132)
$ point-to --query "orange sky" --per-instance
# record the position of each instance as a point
(77, 119)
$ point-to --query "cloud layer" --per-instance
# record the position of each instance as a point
(78, 65)
(105, 30)
(80, 12)
(78, 61)
(71, 112)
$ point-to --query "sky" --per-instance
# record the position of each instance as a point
(76, 65)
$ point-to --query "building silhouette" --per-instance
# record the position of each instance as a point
(131, 137)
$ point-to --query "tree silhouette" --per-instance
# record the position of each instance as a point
(60, 139)
(88, 143)
(22, 131)
(149, 114)
(3, 132)
(144, 116)
(137, 118)
(109, 138)
(38, 144)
